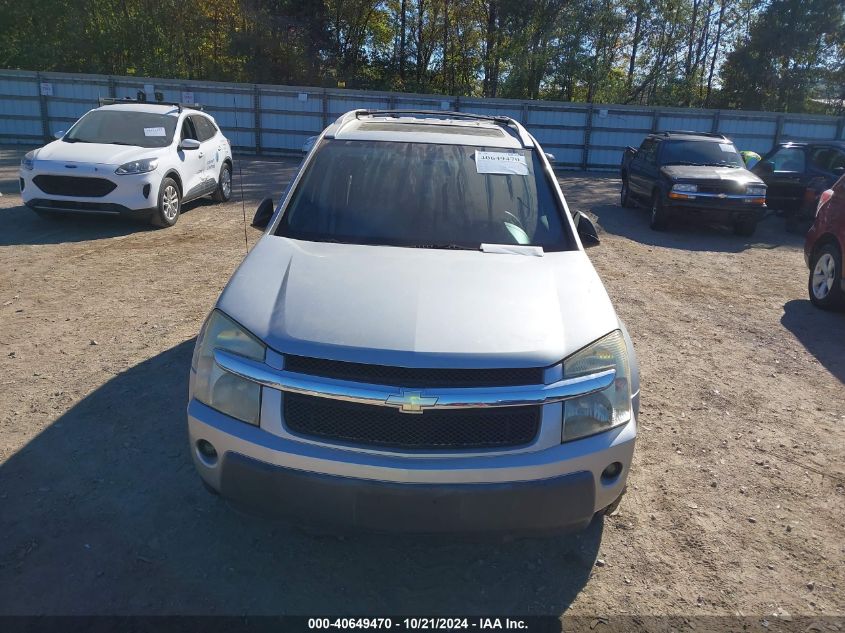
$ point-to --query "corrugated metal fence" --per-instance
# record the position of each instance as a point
(265, 119)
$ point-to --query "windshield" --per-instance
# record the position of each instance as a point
(123, 127)
(425, 195)
(701, 153)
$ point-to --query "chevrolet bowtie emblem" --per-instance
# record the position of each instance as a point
(411, 401)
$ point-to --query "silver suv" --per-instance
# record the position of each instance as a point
(418, 342)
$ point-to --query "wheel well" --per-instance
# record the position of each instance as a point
(175, 176)
(824, 240)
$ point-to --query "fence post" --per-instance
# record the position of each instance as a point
(840, 129)
(42, 104)
(655, 120)
(714, 128)
(112, 89)
(525, 114)
(588, 130)
(256, 116)
(778, 129)
(457, 104)
(325, 109)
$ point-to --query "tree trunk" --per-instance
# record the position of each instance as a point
(402, 32)
(715, 52)
(634, 45)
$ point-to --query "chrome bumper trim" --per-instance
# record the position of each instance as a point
(408, 399)
(721, 196)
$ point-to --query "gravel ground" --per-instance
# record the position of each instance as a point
(735, 502)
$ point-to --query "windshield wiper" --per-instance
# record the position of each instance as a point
(683, 162)
(120, 143)
(75, 140)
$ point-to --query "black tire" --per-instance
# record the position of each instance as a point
(166, 214)
(224, 184)
(659, 218)
(825, 281)
(745, 228)
(625, 194)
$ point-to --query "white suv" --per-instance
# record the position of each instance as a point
(418, 342)
(133, 158)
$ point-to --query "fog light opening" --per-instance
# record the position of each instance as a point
(610, 474)
(146, 190)
(206, 452)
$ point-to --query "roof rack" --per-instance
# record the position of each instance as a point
(440, 113)
(105, 101)
(692, 133)
(522, 134)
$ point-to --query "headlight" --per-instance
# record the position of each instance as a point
(137, 166)
(755, 190)
(603, 410)
(216, 387)
(28, 161)
(685, 188)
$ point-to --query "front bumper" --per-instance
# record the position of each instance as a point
(716, 209)
(532, 491)
(134, 194)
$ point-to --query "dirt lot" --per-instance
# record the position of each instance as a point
(736, 502)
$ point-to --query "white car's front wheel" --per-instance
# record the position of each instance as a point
(169, 204)
(224, 184)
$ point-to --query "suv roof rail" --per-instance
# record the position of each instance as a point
(106, 101)
(440, 113)
(691, 133)
(522, 133)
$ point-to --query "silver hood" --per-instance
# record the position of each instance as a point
(418, 307)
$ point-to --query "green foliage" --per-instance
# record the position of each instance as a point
(753, 54)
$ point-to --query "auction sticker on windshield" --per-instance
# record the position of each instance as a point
(500, 163)
(154, 131)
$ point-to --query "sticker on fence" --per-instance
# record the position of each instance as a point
(188, 96)
(507, 163)
(46, 89)
(154, 131)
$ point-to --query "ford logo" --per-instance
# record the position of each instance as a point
(70, 166)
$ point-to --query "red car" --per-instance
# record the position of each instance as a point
(824, 249)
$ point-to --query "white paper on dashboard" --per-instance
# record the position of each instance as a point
(154, 131)
(727, 147)
(507, 163)
(513, 249)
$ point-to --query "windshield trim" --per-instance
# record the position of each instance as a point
(280, 228)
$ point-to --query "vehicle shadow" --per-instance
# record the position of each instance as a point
(693, 236)
(104, 509)
(815, 329)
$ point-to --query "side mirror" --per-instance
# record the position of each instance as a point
(839, 170)
(764, 167)
(189, 144)
(263, 214)
(631, 150)
(550, 157)
(59, 134)
(586, 230)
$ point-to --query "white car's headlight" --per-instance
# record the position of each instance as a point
(216, 387)
(755, 190)
(685, 188)
(28, 161)
(603, 410)
(137, 166)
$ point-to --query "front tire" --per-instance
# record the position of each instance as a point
(169, 204)
(625, 194)
(224, 184)
(745, 228)
(825, 282)
(659, 219)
